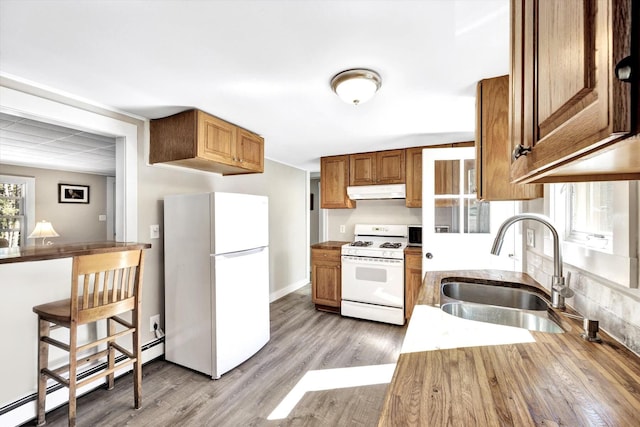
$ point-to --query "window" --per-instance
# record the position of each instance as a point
(598, 222)
(590, 214)
(16, 209)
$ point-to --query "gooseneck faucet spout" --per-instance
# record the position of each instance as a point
(559, 289)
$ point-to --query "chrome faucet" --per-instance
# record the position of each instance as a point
(559, 289)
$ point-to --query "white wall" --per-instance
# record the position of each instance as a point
(73, 222)
(392, 211)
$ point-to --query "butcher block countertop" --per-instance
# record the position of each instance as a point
(39, 253)
(330, 244)
(459, 372)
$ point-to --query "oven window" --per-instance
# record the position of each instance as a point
(370, 274)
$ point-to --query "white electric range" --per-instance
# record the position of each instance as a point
(373, 273)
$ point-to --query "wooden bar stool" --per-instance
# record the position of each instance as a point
(103, 286)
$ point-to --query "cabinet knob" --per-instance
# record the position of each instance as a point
(520, 150)
(428, 255)
(624, 70)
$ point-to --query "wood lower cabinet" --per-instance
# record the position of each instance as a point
(412, 279)
(493, 147)
(334, 179)
(326, 279)
(380, 167)
(198, 140)
(567, 104)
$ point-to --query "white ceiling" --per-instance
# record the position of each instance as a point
(29, 142)
(266, 65)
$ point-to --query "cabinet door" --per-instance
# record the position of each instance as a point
(413, 281)
(493, 148)
(390, 167)
(216, 139)
(413, 159)
(334, 179)
(362, 169)
(562, 81)
(250, 151)
(326, 280)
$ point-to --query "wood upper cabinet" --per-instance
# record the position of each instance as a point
(413, 160)
(326, 279)
(380, 167)
(444, 175)
(567, 105)
(493, 148)
(334, 179)
(199, 140)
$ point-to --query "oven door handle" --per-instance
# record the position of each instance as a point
(380, 262)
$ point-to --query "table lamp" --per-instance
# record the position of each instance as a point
(43, 229)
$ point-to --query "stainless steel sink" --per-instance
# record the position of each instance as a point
(501, 316)
(494, 295)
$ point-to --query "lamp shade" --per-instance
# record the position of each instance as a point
(43, 229)
(356, 86)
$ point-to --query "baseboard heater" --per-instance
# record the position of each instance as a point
(24, 409)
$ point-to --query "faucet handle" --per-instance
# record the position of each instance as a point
(563, 289)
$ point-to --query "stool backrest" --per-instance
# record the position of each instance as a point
(105, 284)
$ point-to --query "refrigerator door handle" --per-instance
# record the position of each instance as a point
(241, 253)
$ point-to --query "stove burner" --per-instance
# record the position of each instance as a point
(389, 245)
(360, 243)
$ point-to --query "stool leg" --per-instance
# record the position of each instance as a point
(137, 366)
(43, 361)
(73, 371)
(111, 330)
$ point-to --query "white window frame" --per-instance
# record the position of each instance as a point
(601, 242)
(619, 263)
(29, 203)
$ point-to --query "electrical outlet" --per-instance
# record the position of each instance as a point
(531, 238)
(154, 320)
(342, 228)
(154, 231)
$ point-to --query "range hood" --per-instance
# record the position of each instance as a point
(364, 192)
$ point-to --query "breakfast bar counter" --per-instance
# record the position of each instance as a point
(453, 371)
(40, 253)
(29, 277)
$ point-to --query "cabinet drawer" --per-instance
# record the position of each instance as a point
(325, 255)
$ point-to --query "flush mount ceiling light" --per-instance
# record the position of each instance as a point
(356, 86)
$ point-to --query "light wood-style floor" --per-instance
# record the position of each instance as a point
(302, 340)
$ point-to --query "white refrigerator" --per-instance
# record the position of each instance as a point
(216, 257)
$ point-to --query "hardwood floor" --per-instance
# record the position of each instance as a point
(302, 340)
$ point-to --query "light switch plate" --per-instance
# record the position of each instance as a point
(342, 228)
(531, 238)
(154, 231)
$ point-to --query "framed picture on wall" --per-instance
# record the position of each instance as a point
(71, 193)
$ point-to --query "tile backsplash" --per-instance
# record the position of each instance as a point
(616, 308)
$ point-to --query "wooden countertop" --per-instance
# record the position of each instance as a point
(39, 253)
(413, 250)
(554, 379)
(330, 244)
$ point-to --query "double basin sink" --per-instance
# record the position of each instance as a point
(493, 303)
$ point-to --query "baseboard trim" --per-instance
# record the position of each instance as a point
(285, 291)
(24, 409)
